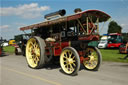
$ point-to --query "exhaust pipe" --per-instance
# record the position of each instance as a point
(55, 14)
(77, 10)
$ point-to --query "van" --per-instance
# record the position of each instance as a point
(103, 42)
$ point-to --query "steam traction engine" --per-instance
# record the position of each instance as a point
(66, 37)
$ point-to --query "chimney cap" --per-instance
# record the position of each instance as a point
(77, 10)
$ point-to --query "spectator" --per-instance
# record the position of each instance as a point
(127, 51)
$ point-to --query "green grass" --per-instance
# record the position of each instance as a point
(113, 55)
(107, 54)
(9, 49)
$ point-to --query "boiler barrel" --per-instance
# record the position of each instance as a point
(60, 12)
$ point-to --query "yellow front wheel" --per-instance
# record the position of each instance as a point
(95, 58)
(70, 61)
(35, 52)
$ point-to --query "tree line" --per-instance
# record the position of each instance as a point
(114, 27)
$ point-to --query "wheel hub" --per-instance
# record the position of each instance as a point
(70, 61)
(91, 58)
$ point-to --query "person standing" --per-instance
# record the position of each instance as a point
(126, 51)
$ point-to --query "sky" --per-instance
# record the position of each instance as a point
(18, 13)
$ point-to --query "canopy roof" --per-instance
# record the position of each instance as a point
(94, 14)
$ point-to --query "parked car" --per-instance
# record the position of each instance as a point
(103, 42)
(5, 44)
(114, 40)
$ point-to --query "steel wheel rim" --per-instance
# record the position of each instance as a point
(33, 52)
(68, 61)
(93, 59)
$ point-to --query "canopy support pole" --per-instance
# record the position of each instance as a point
(87, 25)
(81, 26)
(94, 26)
(97, 25)
(25, 34)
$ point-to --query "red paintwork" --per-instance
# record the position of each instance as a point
(113, 45)
(64, 44)
(89, 37)
(57, 48)
(82, 58)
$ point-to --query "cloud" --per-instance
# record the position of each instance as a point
(124, 25)
(4, 26)
(26, 11)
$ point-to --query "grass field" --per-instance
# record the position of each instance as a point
(113, 55)
(9, 49)
(107, 54)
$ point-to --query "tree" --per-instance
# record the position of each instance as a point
(113, 27)
(125, 37)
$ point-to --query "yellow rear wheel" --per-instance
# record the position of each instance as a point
(69, 61)
(95, 58)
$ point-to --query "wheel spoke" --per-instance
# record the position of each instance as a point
(65, 55)
(65, 58)
(74, 61)
(74, 64)
(34, 61)
(66, 65)
(65, 61)
(73, 57)
(31, 43)
(71, 67)
(37, 58)
(70, 54)
(35, 45)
